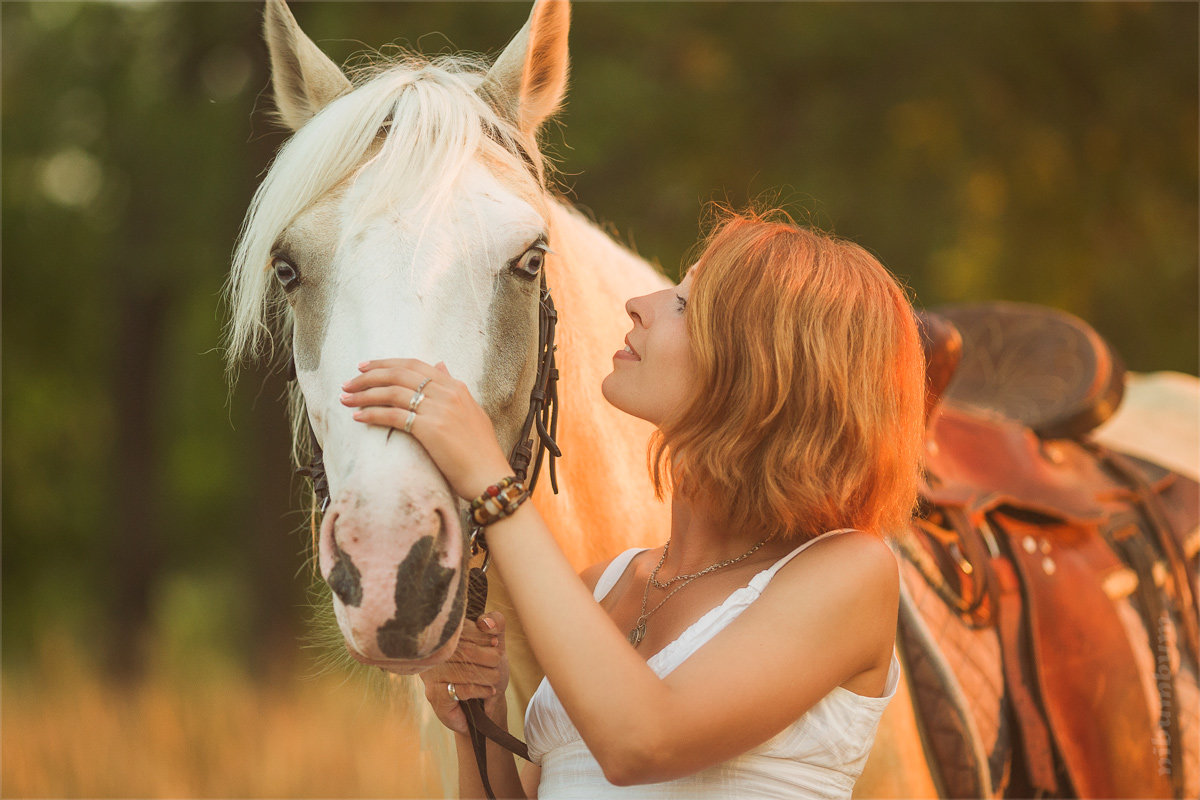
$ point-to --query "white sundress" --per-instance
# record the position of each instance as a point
(820, 755)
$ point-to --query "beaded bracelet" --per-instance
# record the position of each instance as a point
(498, 501)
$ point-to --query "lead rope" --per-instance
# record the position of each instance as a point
(542, 418)
(542, 421)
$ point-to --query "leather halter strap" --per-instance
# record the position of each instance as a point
(541, 421)
(534, 442)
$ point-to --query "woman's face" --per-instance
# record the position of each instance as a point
(655, 379)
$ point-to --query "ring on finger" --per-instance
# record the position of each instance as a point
(416, 401)
(453, 694)
(412, 417)
(423, 383)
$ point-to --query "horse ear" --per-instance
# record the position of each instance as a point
(304, 78)
(529, 79)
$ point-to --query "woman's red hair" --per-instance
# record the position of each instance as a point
(808, 410)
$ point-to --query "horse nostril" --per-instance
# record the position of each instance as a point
(344, 579)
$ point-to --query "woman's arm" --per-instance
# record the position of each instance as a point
(531, 779)
(531, 774)
(823, 619)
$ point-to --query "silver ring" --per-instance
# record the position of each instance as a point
(412, 417)
(416, 400)
(422, 386)
(453, 694)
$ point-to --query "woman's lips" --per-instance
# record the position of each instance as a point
(625, 355)
(628, 353)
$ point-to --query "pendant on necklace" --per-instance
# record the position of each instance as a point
(638, 632)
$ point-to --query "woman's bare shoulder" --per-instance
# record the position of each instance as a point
(591, 575)
(849, 542)
(859, 568)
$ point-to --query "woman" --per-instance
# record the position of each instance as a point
(784, 376)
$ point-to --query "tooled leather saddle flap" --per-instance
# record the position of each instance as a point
(978, 460)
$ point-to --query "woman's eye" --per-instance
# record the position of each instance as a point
(529, 264)
(286, 273)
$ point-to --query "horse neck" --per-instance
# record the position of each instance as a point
(606, 503)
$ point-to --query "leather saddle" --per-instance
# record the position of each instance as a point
(1031, 543)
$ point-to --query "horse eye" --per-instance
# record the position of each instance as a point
(286, 273)
(529, 264)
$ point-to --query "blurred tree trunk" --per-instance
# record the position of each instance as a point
(136, 552)
(279, 527)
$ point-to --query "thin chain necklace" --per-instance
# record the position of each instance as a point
(671, 581)
(638, 632)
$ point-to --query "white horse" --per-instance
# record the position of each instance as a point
(409, 216)
(1159, 420)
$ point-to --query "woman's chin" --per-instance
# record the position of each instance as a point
(606, 390)
(610, 390)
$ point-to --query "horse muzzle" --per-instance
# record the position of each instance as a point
(398, 575)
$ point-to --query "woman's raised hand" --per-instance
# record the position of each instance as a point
(477, 669)
(448, 422)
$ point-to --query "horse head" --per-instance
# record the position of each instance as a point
(405, 217)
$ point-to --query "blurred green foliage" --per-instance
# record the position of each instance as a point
(1036, 152)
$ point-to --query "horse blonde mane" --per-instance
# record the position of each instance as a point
(420, 122)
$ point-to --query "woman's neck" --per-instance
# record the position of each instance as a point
(699, 540)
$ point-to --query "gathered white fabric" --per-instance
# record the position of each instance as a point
(820, 755)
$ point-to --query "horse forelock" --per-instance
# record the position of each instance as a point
(403, 136)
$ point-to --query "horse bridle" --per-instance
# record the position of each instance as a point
(541, 421)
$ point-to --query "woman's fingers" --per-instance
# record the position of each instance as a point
(473, 655)
(478, 670)
(390, 371)
(389, 363)
(464, 691)
(383, 415)
(491, 623)
(393, 395)
(451, 425)
(475, 676)
(474, 691)
(480, 634)
(467, 662)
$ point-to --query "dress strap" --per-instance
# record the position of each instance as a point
(612, 573)
(761, 579)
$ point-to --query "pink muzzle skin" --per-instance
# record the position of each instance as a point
(399, 580)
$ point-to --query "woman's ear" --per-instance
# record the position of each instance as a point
(304, 79)
(529, 79)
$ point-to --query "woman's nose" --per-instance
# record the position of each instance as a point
(636, 307)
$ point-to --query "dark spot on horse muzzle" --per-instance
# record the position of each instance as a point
(344, 579)
(456, 610)
(422, 584)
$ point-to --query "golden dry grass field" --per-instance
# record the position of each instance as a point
(67, 733)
